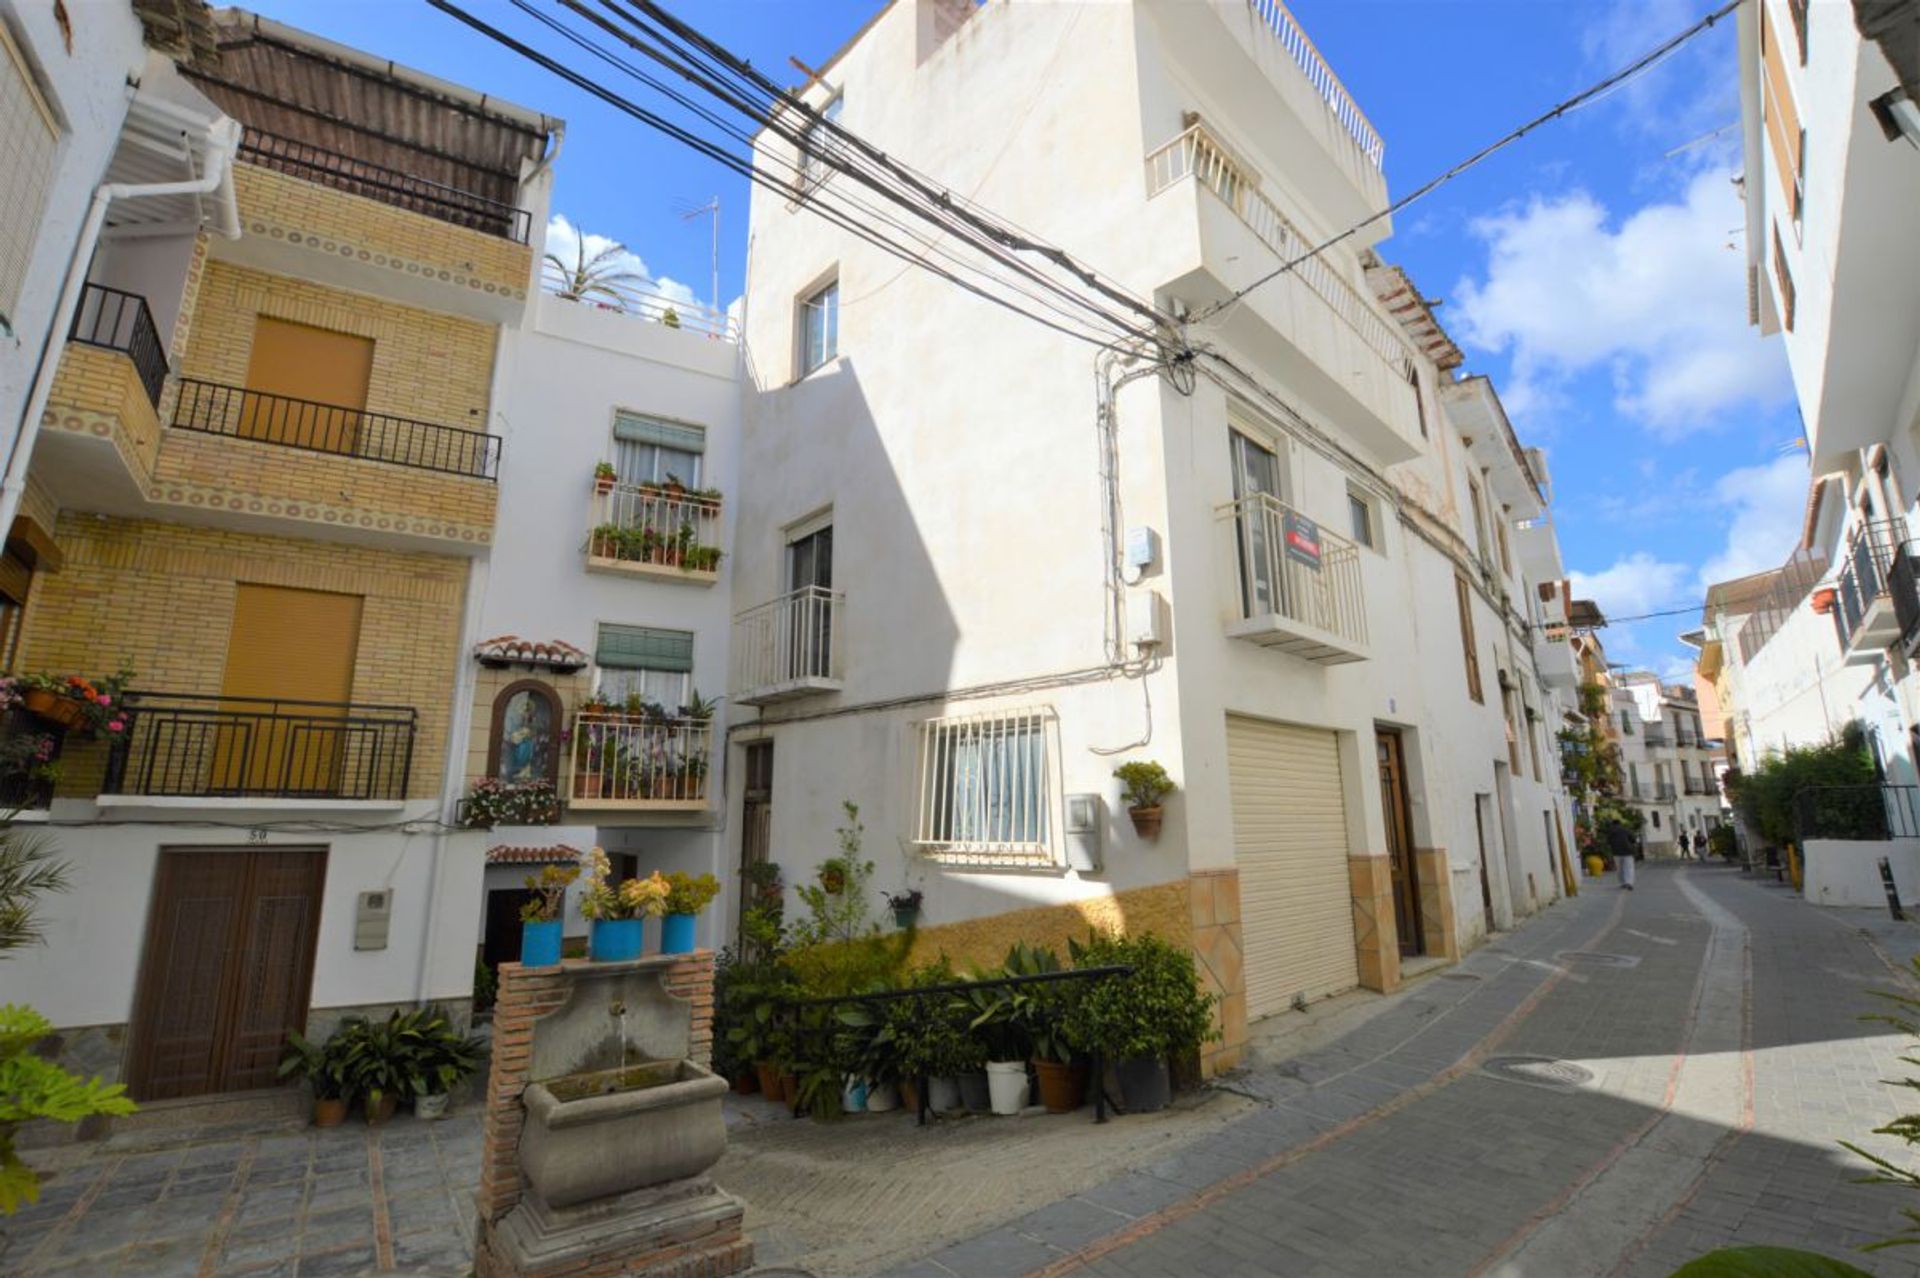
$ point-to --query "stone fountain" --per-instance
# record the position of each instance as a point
(603, 1120)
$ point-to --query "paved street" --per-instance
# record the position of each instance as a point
(1695, 1054)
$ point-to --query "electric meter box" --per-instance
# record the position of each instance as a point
(372, 918)
(1086, 813)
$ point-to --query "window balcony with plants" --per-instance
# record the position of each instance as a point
(638, 757)
(665, 531)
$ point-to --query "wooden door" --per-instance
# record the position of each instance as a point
(227, 970)
(1480, 802)
(1398, 814)
(296, 648)
(318, 380)
(756, 822)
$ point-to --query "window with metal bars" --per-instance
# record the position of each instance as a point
(984, 786)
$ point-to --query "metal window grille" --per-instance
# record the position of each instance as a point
(985, 790)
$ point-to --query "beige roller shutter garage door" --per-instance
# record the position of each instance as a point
(1290, 842)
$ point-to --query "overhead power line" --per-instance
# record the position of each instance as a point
(1640, 64)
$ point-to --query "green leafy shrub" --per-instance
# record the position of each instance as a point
(1144, 783)
(1765, 796)
(32, 1087)
(1157, 1010)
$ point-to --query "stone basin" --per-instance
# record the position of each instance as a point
(607, 1132)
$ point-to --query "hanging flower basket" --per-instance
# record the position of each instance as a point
(60, 711)
(1823, 600)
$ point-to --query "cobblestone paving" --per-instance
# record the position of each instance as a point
(1716, 1023)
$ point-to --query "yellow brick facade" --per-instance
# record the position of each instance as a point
(572, 689)
(159, 597)
(96, 392)
(292, 210)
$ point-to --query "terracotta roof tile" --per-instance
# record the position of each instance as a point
(513, 650)
(508, 854)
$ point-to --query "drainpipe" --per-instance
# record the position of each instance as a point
(223, 138)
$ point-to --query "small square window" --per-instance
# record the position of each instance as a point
(1360, 515)
(819, 327)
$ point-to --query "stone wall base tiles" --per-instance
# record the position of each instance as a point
(1215, 899)
(1439, 936)
(1375, 939)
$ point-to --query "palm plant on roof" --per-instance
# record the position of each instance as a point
(602, 274)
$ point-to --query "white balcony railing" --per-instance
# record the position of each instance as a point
(655, 530)
(639, 762)
(1276, 18)
(788, 647)
(1198, 154)
(639, 297)
(1298, 587)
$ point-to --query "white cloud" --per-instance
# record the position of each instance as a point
(1634, 584)
(1658, 302)
(565, 241)
(1691, 92)
(1766, 506)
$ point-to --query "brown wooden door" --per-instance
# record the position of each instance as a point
(228, 969)
(319, 380)
(295, 646)
(756, 821)
(1480, 804)
(1398, 815)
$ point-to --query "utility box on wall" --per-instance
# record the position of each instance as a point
(1086, 813)
(372, 917)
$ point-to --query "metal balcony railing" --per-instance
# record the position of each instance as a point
(1276, 18)
(1197, 153)
(1663, 791)
(1694, 785)
(180, 745)
(306, 424)
(653, 525)
(639, 297)
(1864, 574)
(791, 643)
(639, 761)
(1903, 584)
(1655, 737)
(1290, 567)
(115, 320)
(1858, 812)
(388, 186)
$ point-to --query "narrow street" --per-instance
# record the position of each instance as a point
(1626, 1083)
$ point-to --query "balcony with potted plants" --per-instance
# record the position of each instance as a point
(637, 757)
(665, 531)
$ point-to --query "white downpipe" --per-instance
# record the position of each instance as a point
(223, 138)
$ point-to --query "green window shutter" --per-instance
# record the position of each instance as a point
(631, 428)
(643, 648)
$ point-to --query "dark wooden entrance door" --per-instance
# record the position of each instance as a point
(1399, 818)
(756, 822)
(1480, 814)
(501, 943)
(228, 969)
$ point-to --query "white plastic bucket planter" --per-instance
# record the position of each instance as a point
(943, 1094)
(882, 1097)
(1007, 1084)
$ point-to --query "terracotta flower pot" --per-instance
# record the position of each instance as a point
(54, 708)
(603, 483)
(380, 1111)
(910, 1095)
(768, 1075)
(1146, 821)
(789, 1090)
(330, 1111)
(746, 1083)
(1062, 1087)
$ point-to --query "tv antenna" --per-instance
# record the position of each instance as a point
(712, 207)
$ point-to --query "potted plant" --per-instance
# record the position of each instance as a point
(1145, 783)
(616, 912)
(76, 703)
(905, 906)
(373, 1058)
(603, 477)
(687, 895)
(1004, 1041)
(541, 918)
(438, 1058)
(494, 802)
(324, 1071)
(1138, 1020)
(1041, 1010)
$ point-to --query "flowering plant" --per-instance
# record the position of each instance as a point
(549, 888)
(630, 899)
(99, 701)
(688, 894)
(495, 802)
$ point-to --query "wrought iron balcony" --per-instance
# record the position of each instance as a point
(1663, 791)
(655, 531)
(388, 186)
(639, 762)
(1868, 813)
(1297, 586)
(1903, 583)
(115, 320)
(1864, 613)
(1656, 737)
(239, 413)
(788, 647)
(1695, 785)
(1353, 122)
(181, 745)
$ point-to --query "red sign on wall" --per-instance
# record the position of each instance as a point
(1302, 536)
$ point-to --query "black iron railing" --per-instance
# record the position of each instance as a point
(1858, 812)
(1694, 785)
(816, 1021)
(332, 428)
(1663, 790)
(1903, 583)
(119, 321)
(1655, 737)
(388, 186)
(192, 746)
(1864, 574)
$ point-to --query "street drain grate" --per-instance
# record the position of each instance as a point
(1458, 976)
(1539, 1071)
(1594, 958)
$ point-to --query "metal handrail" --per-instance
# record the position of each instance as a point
(1293, 39)
(1857, 812)
(790, 637)
(637, 759)
(202, 745)
(787, 1009)
(387, 186)
(116, 320)
(639, 299)
(214, 408)
(1864, 573)
(1273, 580)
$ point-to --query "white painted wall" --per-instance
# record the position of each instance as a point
(1847, 871)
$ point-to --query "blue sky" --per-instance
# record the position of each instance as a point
(1596, 272)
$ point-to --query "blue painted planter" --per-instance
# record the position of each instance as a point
(676, 933)
(615, 940)
(540, 944)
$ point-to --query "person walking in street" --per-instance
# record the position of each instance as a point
(1624, 848)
